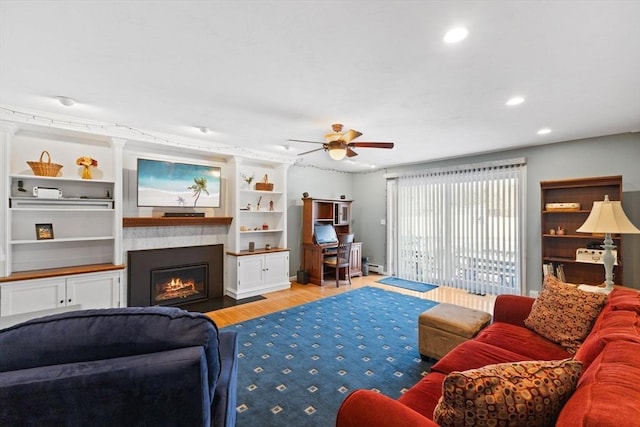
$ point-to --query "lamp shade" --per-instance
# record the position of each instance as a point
(337, 150)
(337, 153)
(608, 217)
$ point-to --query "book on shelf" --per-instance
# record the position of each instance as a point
(558, 271)
(547, 268)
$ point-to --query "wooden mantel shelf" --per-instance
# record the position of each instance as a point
(175, 221)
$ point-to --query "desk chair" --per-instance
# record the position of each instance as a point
(342, 259)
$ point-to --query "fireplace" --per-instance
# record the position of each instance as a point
(179, 285)
(187, 277)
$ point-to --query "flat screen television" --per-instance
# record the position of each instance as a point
(172, 184)
(324, 234)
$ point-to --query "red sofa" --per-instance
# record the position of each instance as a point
(607, 393)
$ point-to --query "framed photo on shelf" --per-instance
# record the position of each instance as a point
(44, 231)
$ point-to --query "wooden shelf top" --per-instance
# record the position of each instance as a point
(175, 221)
(63, 271)
(258, 251)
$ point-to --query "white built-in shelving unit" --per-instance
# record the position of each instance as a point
(260, 221)
(79, 264)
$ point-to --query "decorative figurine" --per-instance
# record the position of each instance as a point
(87, 163)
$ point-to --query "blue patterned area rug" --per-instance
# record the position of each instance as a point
(296, 366)
(407, 284)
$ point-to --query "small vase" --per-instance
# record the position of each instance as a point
(86, 172)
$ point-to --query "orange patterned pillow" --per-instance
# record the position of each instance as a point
(563, 313)
(508, 394)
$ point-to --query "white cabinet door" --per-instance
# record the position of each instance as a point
(258, 274)
(101, 290)
(32, 295)
(95, 290)
(276, 267)
(250, 271)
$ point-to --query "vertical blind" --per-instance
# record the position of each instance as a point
(462, 227)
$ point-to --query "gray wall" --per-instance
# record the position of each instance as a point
(600, 156)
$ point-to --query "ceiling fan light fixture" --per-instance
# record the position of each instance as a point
(337, 150)
(337, 153)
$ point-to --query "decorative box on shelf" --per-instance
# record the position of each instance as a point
(594, 256)
(561, 207)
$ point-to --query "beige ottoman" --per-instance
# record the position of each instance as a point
(445, 326)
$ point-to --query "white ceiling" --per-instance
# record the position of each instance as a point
(259, 72)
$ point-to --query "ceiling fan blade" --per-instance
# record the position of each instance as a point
(311, 151)
(302, 140)
(350, 135)
(371, 144)
(350, 152)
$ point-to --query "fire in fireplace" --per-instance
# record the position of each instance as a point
(187, 277)
(179, 285)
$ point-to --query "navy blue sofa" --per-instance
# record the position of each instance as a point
(137, 366)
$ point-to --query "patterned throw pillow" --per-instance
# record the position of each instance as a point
(563, 313)
(528, 393)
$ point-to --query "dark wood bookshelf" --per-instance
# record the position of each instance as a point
(560, 249)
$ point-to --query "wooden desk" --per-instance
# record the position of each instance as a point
(313, 261)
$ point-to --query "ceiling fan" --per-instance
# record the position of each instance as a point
(339, 144)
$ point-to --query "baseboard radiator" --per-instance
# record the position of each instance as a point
(376, 268)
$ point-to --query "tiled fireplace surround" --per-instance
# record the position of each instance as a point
(141, 238)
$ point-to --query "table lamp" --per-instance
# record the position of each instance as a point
(608, 217)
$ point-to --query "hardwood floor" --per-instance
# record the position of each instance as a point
(300, 294)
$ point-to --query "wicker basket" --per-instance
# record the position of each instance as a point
(41, 168)
(264, 186)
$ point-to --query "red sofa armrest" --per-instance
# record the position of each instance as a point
(512, 309)
(366, 408)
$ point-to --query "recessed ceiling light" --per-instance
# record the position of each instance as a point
(544, 131)
(455, 35)
(516, 100)
(66, 101)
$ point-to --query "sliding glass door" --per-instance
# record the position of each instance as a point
(459, 227)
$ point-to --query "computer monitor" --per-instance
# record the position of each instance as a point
(324, 234)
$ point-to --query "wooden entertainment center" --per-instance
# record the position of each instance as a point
(326, 211)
